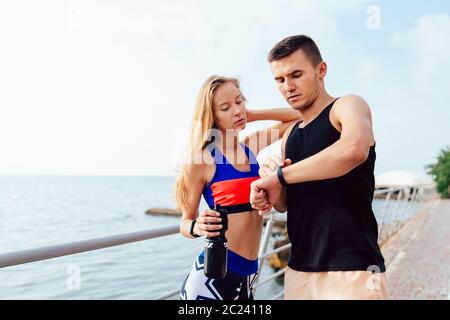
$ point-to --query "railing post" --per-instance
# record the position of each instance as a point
(400, 209)
(403, 218)
(419, 199)
(263, 247)
(386, 202)
(399, 197)
(411, 204)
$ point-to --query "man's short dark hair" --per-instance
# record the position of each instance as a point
(291, 44)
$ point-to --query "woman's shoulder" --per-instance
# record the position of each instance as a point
(199, 166)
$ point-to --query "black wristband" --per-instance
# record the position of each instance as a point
(280, 176)
(192, 229)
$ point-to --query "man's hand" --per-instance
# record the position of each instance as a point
(265, 192)
(270, 165)
(259, 201)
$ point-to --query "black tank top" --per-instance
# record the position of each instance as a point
(331, 224)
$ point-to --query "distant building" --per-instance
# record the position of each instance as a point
(399, 179)
(391, 179)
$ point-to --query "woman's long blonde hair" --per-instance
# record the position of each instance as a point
(200, 134)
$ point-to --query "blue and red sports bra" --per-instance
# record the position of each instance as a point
(230, 187)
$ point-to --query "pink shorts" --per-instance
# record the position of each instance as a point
(332, 285)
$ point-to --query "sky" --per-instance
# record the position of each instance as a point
(108, 87)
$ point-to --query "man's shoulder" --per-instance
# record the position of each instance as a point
(350, 102)
(350, 99)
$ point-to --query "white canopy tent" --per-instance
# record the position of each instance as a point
(399, 178)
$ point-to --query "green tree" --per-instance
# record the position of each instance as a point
(441, 172)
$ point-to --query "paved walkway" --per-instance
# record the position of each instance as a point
(418, 255)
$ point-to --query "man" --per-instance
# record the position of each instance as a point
(325, 182)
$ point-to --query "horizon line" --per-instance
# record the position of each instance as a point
(85, 175)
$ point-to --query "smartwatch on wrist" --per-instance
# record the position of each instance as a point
(191, 232)
(280, 176)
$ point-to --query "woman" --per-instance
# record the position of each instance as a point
(220, 166)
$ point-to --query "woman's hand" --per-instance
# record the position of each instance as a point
(202, 228)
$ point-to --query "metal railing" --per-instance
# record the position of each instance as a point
(408, 196)
(396, 212)
(60, 250)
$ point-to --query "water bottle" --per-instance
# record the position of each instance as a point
(216, 249)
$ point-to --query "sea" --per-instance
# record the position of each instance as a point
(37, 211)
